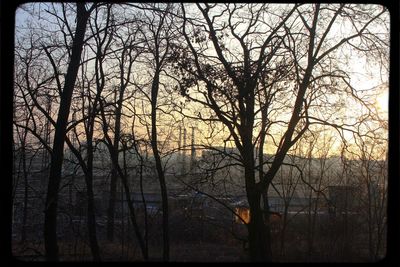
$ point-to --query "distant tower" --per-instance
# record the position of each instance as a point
(193, 151)
(184, 150)
(179, 159)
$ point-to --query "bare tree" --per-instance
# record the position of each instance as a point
(89, 111)
(258, 80)
(372, 171)
(298, 41)
(32, 115)
(318, 174)
(50, 225)
(157, 36)
(21, 144)
(125, 184)
(126, 58)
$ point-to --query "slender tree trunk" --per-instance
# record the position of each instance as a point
(370, 226)
(113, 188)
(91, 224)
(125, 185)
(114, 174)
(25, 210)
(91, 216)
(15, 176)
(111, 205)
(87, 168)
(142, 245)
(310, 229)
(160, 171)
(146, 224)
(264, 192)
(50, 221)
(283, 230)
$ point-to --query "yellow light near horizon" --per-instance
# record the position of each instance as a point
(383, 102)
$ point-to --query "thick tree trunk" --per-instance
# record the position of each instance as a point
(50, 221)
(259, 233)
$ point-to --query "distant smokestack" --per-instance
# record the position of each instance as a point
(180, 148)
(184, 151)
(193, 151)
(180, 140)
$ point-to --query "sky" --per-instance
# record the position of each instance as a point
(362, 78)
